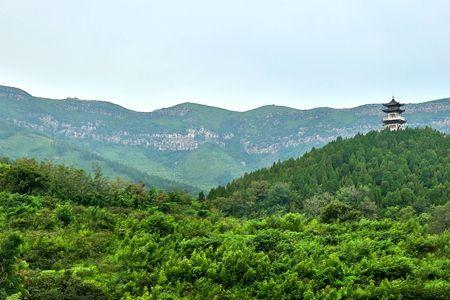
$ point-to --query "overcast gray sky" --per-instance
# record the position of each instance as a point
(236, 54)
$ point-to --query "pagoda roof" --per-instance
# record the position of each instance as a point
(395, 121)
(393, 103)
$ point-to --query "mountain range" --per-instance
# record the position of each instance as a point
(189, 146)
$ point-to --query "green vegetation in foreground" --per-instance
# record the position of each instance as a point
(65, 234)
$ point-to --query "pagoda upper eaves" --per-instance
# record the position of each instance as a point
(392, 103)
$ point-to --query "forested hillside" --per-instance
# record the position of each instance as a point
(187, 145)
(369, 172)
(364, 218)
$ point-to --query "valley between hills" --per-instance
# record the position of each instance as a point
(188, 146)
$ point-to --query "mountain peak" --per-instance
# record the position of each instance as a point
(187, 108)
(13, 92)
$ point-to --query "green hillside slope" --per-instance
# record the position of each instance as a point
(16, 143)
(65, 234)
(193, 144)
(368, 172)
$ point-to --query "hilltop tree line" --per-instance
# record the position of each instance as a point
(68, 234)
(368, 174)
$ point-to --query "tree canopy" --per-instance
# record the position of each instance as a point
(379, 169)
(68, 234)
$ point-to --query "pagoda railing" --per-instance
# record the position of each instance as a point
(391, 118)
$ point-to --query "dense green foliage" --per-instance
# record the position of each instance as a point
(187, 144)
(369, 173)
(66, 234)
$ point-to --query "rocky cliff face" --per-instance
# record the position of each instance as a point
(196, 144)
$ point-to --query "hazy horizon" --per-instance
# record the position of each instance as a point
(146, 55)
(224, 108)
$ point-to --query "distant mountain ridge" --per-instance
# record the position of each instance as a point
(189, 144)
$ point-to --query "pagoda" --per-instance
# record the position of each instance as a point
(393, 120)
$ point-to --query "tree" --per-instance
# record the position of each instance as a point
(10, 248)
(440, 218)
(279, 195)
(337, 210)
(24, 177)
(201, 196)
(312, 206)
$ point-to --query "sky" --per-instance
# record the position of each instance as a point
(234, 54)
